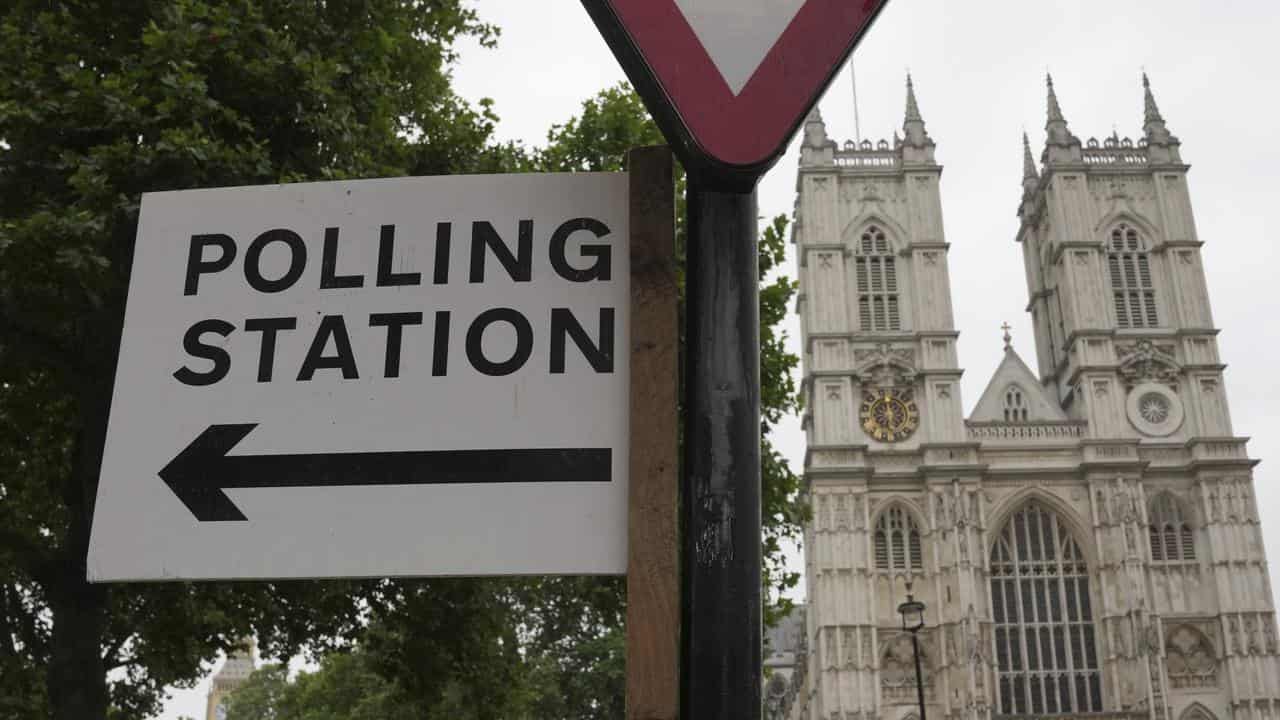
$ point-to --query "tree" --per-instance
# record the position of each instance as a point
(101, 101)
(393, 674)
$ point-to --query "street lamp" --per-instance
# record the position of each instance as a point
(912, 612)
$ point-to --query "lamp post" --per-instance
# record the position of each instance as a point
(912, 612)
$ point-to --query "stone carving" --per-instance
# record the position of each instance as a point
(842, 512)
(885, 365)
(898, 671)
(1123, 501)
(1145, 361)
(848, 646)
(1190, 659)
(1251, 632)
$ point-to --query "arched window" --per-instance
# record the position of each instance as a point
(1015, 404)
(877, 279)
(897, 541)
(1131, 287)
(1045, 645)
(1171, 537)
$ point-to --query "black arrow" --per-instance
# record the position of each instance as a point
(200, 473)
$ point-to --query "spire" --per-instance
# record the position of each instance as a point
(916, 137)
(1060, 144)
(1150, 113)
(1028, 162)
(913, 110)
(1153, 127)
(1055, 110)
(815, 130)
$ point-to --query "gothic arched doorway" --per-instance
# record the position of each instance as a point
(1045, 646)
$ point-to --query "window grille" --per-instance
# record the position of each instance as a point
(897, 541)
(876, 273)
(1015, 404)
(1171, 537)
(1045, 643)
(1132, 290)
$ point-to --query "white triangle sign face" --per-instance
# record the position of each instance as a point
(730, 81)
(738, 34)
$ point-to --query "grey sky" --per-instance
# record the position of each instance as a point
(979, 74)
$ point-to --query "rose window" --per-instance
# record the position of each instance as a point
(1154, 408)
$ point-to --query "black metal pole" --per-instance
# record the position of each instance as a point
(915, 650)
(720, 490)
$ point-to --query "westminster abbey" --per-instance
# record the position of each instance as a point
(1087, 540)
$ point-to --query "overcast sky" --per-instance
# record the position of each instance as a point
(979, 72)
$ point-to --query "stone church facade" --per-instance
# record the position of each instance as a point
(1087, 540)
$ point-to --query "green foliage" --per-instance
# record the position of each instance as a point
(344, 688)
(100, 102)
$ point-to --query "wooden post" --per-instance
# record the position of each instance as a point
(653, 583)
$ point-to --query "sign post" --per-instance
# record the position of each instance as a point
(728, 82)
(653, 576)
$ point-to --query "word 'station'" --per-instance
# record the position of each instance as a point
(330, 346)
(415, 376)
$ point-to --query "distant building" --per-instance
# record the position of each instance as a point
(237, 668)
(784, 647)
(1087, 541)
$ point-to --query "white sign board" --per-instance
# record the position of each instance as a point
(416, 376)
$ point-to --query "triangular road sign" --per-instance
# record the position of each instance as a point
(729, 81)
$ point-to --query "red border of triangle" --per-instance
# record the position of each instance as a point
(753, 127)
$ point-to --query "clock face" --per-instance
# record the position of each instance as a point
(889, 414)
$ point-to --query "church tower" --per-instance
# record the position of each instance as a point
(884, 417)
(237, 668)
(1127, 344)
(1086, 541)
(876, 304)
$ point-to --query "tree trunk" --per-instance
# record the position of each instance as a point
(77, 677)
(77, 673)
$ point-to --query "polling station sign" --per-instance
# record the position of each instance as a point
(413, 376)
